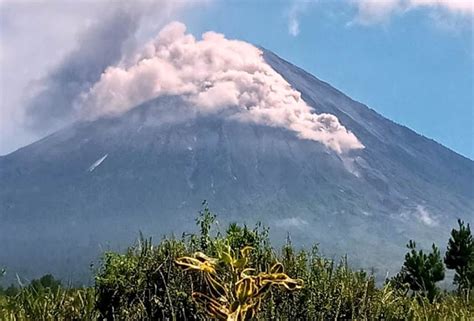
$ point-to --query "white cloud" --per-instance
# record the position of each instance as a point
(378, 11)
(214, 74)
(375, 11)
(293, 26)
(294, 12)
(424, 216)
(456, 6)
(291, 222)
(419, 213)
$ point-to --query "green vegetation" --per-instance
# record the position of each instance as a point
(421, 271)
(46, 299)
(234, 290)
(237, 274)
(460, 257)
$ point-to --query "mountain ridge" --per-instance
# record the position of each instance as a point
(328, 86)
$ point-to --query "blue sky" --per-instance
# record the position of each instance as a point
(410, 60)
(414, 68)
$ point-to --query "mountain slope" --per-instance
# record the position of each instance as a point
(95, 184)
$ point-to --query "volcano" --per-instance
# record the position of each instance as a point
(95, 184)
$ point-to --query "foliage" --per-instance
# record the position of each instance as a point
(460, 256)
(43, 303)
(145, 283)
(45, 282)
(421, 271)
(234, 290)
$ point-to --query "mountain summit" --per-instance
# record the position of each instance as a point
(352, 181)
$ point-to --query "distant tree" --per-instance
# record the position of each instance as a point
(45, 282)
(421, 271)
(460, 256)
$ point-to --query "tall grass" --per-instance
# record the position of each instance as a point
(47, 304)
(145, 283)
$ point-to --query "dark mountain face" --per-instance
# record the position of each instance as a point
(94, 185)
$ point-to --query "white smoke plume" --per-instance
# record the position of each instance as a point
(215, 74)
(44, 68)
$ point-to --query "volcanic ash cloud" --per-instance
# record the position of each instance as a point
(217, 76)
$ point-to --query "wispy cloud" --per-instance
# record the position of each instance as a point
(293, 26)
(421, 214)
(291, 222)
(295, 11)
(380, 11)
(424, 216)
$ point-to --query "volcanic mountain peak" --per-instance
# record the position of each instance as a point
(99, 181)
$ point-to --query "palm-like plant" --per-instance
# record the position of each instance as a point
(234, 291)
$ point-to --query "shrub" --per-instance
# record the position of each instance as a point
(234, 290)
